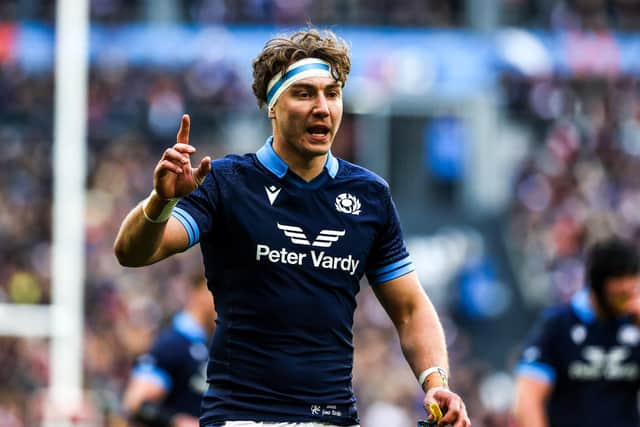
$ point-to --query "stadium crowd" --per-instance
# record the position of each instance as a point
(438, 13)
(581, 183)
(574, 14)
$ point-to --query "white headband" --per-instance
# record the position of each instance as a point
(308, 67)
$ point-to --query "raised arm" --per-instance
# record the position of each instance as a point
(423, 343)
(149, 233)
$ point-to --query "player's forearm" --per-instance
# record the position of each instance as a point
(138, 239)
(529, 402)
(529, 414)
(422, 339)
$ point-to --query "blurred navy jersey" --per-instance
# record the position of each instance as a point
(177, 362)
(592, 365)
(284, 258)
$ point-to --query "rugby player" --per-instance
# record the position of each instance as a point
(167, 382)
(286, 234)
(581, 364)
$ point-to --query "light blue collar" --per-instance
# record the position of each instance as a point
(581, 304)
(270, 160)
(187, 326)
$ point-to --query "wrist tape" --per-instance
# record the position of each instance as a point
(164, 214)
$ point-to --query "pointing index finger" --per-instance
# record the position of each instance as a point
(183, 132)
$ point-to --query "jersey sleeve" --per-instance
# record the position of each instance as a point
(196, 211)
(538, 358)
(389, 258)
(157, 365)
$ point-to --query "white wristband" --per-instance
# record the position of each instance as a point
(164, 214)
(443, 374)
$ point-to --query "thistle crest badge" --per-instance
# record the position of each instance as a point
(348, 203)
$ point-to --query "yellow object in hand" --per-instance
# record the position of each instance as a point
(435, 411)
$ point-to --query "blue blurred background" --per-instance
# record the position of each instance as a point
(509, 131)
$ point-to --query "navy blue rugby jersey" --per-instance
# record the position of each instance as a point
(593, 366)
(284, 258)
(177, 362)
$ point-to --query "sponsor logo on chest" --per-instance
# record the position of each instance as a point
(600, 364)
(314, 257)
(614, 363)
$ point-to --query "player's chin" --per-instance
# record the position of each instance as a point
(314, 150)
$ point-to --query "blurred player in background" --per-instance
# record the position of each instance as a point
(286, 235)
(166, 385)
(581, 364)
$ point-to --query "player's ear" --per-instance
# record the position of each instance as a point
(272, 113)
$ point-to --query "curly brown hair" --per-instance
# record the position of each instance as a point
(283, 50)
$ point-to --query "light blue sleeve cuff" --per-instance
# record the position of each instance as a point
(189, 224)
(153, 375)
(540, 371)
(391, 271)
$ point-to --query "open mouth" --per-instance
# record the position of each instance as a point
(318, 130)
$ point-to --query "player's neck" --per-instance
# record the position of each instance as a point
(308, 170)
(306, 167)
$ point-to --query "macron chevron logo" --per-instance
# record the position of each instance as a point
(272, 193)
(324, 239)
